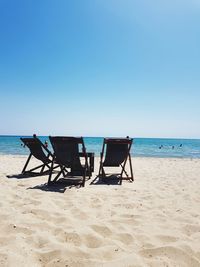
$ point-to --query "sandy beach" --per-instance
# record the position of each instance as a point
(154, 221)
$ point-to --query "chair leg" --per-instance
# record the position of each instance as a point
(130, 162)
(26, 164)
(58, 175)
(101, 171)
(124, 170)
(63, 171)
(89, 173)
(92, 163)
(84, 175)
(50, 174)
(42, 169)
(131, 169)
(101, 162)
(91, 167)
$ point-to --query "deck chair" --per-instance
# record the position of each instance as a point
(40, 152)
(67, 156)
(116, 153)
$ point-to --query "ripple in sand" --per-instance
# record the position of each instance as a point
(167, 238)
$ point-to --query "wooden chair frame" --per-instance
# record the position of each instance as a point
(45, 158)
(127, 158)
(64, 168)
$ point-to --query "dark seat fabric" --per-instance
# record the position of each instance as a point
(115, 154)
(35, 148)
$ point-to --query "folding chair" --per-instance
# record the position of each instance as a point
(116, 153)
(40, 152)
(67, 156)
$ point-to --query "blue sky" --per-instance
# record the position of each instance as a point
(100, 67)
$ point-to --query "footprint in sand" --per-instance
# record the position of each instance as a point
(104, 231)
(72, 238)
(125, 205)
(60, 219)
(46, 257)
(42, 214)
(129, 218)
(174, 256)
(67, 237)
(191, 229)
(5, 241)
(40, 241)
(92, 241)
(125, 238)
(3, 259)
(79, 214)
(3, 217)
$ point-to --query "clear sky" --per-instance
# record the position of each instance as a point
(100, 67)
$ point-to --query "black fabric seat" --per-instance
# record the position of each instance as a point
(67, 156)
(40, 152)
(115, 153)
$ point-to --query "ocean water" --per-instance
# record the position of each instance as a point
(142, 147)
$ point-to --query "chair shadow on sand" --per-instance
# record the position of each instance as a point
(113, 179)
(60, 186)
(27, 175)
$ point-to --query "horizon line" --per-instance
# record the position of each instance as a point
(182, 138)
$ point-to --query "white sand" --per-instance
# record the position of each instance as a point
(154, 221)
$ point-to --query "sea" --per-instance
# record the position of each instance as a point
(142, 147)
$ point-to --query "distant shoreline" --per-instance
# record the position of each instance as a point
(163, 138)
